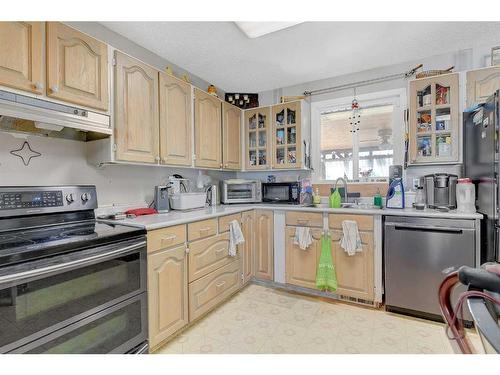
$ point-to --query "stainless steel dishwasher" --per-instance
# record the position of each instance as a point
(418, 253)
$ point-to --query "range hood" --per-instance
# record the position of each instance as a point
(54, 116)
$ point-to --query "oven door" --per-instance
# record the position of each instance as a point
(37, 298)
(113, 330)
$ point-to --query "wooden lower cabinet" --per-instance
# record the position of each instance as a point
(209, 254)
(264, 244)
(210, 290)
(354, 273)
(301, 264)
(247, 249)
(167, 293)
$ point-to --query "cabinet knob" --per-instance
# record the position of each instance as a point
(187, 250)
(226, 166)
(38, 86)
(54, 88)
(157, 158)
(221, 165)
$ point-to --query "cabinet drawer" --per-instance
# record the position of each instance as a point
(225, 220)
(166, 237)
(306, 219)
(365, 222)
(202, 229)
(210, 290)
(209, 254)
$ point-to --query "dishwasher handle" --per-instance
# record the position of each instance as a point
(428, 229)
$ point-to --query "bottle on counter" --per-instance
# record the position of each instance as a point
(335, 200)
(316, 197)
(377, 199)
(466, 196)
(419, 203)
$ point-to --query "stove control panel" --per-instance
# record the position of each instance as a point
(36, 200)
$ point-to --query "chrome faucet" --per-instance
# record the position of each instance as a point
(345, 187)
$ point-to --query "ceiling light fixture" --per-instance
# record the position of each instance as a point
(256, 29)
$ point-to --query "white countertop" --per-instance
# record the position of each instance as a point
(150, 222)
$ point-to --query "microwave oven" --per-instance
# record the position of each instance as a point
(241, 191)
(281, 192)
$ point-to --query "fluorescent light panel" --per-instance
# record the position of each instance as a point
(256, 29)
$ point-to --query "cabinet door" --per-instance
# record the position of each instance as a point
(257, 135)
(264, 244)
(21, 55)
(434, 120)
(354, 273)
(231, 133)
(207, 125)
(136, 111)
(481, 84)
(247, 248)
(167, 293)
(301, 264)
(77, 67)
(286, 135)
(175, 121)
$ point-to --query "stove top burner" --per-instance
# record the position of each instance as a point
(27, 244)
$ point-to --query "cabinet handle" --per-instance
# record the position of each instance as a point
(226, 165)
(169, 238)
(302, 221)
(187, 250)
(219, 252)
(221, 165)
(220, 285)
(157, 158)
(54, 88)
(38, 86)
(205, 229)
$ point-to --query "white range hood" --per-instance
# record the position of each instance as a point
(49, 113)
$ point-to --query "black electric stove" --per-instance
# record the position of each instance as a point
(64, 275)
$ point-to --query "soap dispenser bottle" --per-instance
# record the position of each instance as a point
(396, 194)
(335, 199)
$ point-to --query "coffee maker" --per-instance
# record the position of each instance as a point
(440, 190)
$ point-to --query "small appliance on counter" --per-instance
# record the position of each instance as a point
(241, 191)
(161, 201)
(188, 201)
(440, 191)
(281, 192)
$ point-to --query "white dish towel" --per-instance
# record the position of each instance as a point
(351, 240)
(235, 237)
(302, 237)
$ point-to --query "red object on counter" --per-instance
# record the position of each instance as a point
(141, 211)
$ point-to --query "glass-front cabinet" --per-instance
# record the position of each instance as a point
(434, 120)
(257, 134)
(286, 137)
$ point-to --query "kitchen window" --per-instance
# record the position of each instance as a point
(359, 149)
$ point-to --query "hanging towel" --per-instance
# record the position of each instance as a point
(302, 237)
(235, 237)
(326, 277)
(351, 240)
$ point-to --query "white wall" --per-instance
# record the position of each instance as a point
(64, 162)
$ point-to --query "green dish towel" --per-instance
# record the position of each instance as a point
(326, 277)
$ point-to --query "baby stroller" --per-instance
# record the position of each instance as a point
(483, 301)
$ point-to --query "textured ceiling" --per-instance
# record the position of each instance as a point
(220, 53)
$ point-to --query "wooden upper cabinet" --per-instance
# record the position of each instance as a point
(257, 135)
(167, 293)
(231, 133)
(77, 67)
(287, 141)
(207, 124)
(136, 111)
(175, 121)
(434, 120)
(481, 84)
(21, 56)
(264, 244)
(301, 264)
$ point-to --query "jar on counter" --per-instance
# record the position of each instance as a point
(466, 196)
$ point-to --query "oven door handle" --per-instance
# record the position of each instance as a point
(56, 268)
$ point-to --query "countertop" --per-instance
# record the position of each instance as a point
(150, 222)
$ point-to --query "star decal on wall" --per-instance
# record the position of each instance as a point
(26, 153)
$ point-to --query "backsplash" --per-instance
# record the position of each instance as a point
(63, 162)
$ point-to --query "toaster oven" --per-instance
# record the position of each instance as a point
(241, 191)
